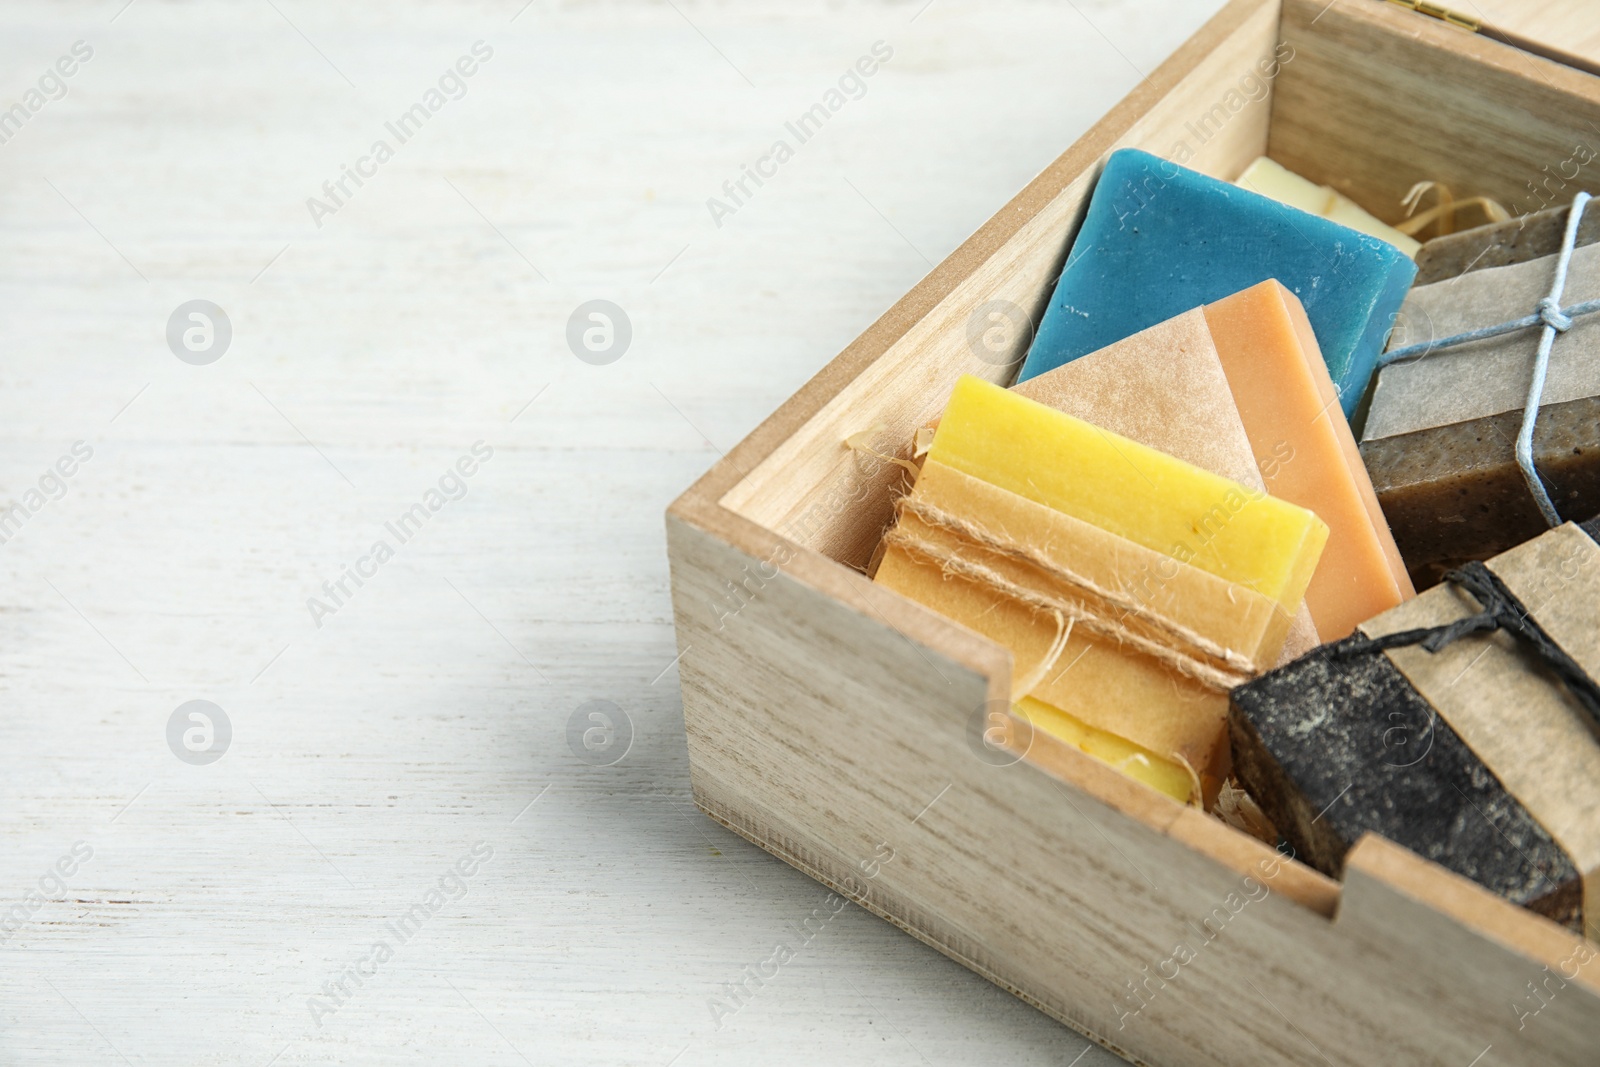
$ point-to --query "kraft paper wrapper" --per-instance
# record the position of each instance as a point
(1491, 376)
(1515, 716)
(1163, 387)
(1105, 685)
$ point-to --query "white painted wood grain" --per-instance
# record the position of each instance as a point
(369, 754)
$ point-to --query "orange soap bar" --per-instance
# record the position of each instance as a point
(1306, 452)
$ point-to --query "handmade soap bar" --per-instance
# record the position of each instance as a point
(1501, 244)
(1271, 178)
(1158, 240)
(1440, 437)
(1133, 491)
(1307, 454)
(1478, 756)
(1076, 646)
(1136, 762)
(1117, 636)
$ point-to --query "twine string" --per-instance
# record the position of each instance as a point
(1100, 611)
(1500, 610)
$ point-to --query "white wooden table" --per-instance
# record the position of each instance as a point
(208, 909)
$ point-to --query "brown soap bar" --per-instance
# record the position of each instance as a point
(1500, 244)
(1440, 436)
(1455, 493)
(1476, 756)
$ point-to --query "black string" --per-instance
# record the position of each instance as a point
(1501, 610)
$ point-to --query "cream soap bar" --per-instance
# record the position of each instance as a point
(1271, 178)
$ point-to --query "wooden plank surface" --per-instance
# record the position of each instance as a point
(937, 330)
(1571, 26)
(369, 755)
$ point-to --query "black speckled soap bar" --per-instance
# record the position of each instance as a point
(1331, 749)
(1475, 756)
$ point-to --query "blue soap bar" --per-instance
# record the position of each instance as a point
(1159, 240)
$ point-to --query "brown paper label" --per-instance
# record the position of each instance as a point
(1487, 377)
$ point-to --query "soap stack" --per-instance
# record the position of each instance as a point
(1170, 524)
(1134, 589)
(1173, 481)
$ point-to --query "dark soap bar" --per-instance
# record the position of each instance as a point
(1500, 244)
(1333, 747)
(1455, 493)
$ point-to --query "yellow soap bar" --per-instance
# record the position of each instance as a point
(1272, 179)
(1135, 492)
(1137, 763)
(1101, 683)
(1016, 501)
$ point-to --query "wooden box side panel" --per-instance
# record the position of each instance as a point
(1378, 98)
(847, 747)
(1529, 989)
(979, 323)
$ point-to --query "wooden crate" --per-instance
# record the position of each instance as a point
(834, 723)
